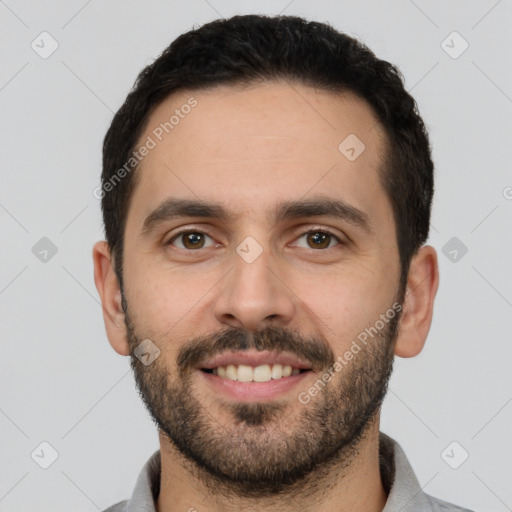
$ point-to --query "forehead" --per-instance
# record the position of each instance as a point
(249, 147)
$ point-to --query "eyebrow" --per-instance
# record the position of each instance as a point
(173, 208)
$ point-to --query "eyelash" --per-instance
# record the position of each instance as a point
(311, 231)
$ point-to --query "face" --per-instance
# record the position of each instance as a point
(254, 244)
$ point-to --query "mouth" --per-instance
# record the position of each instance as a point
(261, 373)
(254, 376)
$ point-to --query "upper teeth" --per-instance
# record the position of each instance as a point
(262, 373)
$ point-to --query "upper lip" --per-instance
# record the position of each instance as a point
(254, 358)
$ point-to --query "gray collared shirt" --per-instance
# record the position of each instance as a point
(404, 491)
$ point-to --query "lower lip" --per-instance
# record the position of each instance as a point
(253, 391)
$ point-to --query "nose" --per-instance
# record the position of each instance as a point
(254, 296)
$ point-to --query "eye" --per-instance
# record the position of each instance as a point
(319, 239)
(190, 240)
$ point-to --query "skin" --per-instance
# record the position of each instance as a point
(249, 149)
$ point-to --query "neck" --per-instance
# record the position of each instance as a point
(341, 485)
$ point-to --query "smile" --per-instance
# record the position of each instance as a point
(261, 373)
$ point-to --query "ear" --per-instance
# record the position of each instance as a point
(422, 284)
(108, 287)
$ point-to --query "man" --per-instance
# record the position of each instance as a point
(266, 193)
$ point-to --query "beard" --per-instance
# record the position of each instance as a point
(262, 449)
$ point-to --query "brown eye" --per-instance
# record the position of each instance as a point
(189, 240)
(319, 240)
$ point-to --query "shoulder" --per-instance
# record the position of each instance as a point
(443, 506)
(118, 507)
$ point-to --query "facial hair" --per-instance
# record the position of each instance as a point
(265, 450)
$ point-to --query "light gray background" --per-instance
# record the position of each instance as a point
(60, 380)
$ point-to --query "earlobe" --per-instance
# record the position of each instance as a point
(109, 290)
(422, 285)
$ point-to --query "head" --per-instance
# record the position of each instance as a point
(266, 186)
(250, 49)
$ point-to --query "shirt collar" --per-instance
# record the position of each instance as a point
(399, 480)
(404, 491)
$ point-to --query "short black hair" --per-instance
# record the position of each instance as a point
(242, 50)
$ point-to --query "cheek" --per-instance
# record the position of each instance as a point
(341, 308)
(159, 300)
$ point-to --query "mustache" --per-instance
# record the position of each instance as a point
(271, 338)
